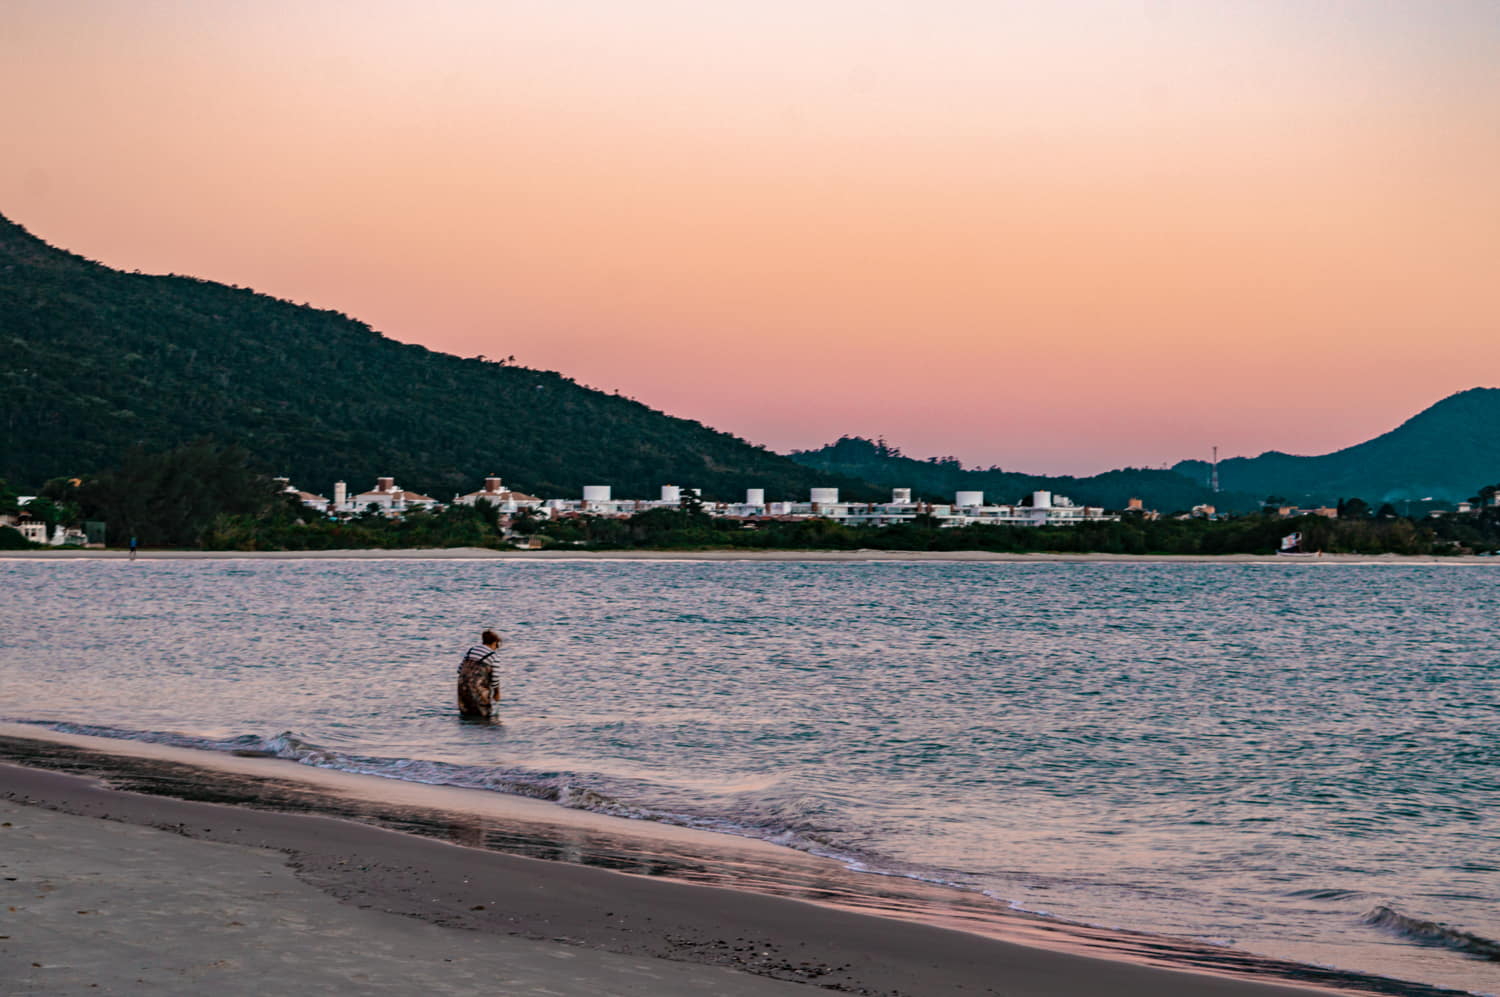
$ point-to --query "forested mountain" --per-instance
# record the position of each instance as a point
(1445, 452)
(95, 362)
(940, 478)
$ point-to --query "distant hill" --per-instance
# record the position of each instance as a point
(94, 361)
(1448, 452)
(938, 479)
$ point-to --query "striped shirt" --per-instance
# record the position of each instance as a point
(477, 653)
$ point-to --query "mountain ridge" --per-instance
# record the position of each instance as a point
(939, 479)
(1446, 452)
(95, 361)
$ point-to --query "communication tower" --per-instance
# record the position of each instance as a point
(1213, 475)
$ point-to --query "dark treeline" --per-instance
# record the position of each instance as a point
(1252, 534)
(165, 499)
(172, 499)
(290, 526)
(208, 495)
(213, 496)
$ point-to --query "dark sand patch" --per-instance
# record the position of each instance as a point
(656, 913)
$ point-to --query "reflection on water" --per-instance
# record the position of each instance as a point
(1260, 755)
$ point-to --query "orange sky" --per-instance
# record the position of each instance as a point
(1063, 240)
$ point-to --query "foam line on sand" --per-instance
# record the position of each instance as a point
(182, 893)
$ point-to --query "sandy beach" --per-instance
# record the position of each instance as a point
(485, 553)
(255, 900)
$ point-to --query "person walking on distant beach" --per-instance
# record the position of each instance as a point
(132, 548)
(478, 689)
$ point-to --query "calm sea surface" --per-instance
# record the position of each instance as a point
(1296, 760)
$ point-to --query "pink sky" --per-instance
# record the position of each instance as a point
(1054, 237)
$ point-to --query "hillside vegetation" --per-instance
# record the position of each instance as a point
(938, 479)
(95, 362)
(1439, 453)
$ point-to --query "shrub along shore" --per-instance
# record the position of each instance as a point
(209, 497)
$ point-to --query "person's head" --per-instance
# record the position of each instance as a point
(489, 639)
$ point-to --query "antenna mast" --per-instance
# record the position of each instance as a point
(1213, 477)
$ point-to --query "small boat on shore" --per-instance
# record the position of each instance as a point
(1291, 546)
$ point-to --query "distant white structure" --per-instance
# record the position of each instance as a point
(315, 502)
(63, 536)
(1293, 511)
(390, 498)
(1041, 508)
(1047, 509)
(502, 498)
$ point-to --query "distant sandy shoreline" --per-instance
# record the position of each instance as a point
(862, 555)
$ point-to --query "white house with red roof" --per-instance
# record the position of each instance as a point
(502, 498)
(391, 498)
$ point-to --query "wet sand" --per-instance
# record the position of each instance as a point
(265, 901)
(126, 907)
(485, 553)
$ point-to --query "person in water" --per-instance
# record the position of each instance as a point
(478, 689)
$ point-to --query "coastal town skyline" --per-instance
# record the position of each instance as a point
(1105, 235)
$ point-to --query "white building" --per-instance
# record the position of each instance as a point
(1041, 508)
(968, 507)
(315, 502)
(599, 500)
(502, 498)
(391, 499)
(34, 530)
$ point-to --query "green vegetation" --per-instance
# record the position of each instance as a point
(214, 496)
(95, 362)
(939, 477)
(1251, 534)
(1477, 531)
(290, 526)
(168, 499)
(205, 494)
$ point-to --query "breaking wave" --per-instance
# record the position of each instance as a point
(290, 746)
(1434, 933)
(561, 789)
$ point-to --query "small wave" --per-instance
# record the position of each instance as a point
(289, 746)
(582, 798)
(560, 788)
(1433, 933)
(1326, 894)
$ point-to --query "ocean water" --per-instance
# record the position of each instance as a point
(1295, 760)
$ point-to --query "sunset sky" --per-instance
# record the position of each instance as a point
(1057, 237)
